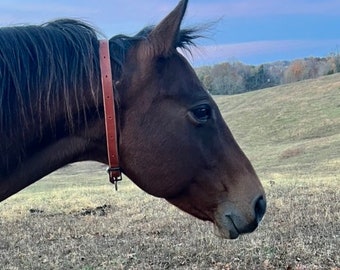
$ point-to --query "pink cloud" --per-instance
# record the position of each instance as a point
(238, 51)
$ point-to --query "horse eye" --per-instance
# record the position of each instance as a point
(200, 114)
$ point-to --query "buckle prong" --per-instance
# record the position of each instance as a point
(115, 175)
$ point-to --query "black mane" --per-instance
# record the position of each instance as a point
(46, 69)
(51, 72)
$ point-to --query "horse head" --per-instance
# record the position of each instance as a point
(173, 141)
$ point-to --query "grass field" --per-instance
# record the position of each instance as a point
(73, 219)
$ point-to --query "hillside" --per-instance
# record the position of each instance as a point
(289, 128)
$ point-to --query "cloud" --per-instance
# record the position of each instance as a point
(154, 10)
(110, 16)
(113, 10)
(129, 16)
(246, 8)
(256, 52)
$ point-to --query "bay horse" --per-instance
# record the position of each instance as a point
(173, 142)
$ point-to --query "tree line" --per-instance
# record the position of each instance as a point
(236, 77)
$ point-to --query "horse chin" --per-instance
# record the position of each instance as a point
(227, 230)
(230, 226)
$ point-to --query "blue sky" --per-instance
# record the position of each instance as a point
(250, 31)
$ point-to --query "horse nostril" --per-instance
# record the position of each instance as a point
(260, 208)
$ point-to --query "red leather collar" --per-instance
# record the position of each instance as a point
(109, 112)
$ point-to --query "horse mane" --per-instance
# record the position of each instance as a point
(51, 72)
(46, 71)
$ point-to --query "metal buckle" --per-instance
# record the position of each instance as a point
(115, 176)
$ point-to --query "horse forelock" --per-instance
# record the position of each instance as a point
(120, 44)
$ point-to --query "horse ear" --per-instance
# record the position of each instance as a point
(164, 37)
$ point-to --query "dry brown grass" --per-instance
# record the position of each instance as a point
(132, 230)
(292, 152)
(73, 219)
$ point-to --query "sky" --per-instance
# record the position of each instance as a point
(250, 31)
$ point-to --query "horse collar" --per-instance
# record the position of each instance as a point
(109, 113)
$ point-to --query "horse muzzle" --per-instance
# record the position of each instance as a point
(231, 220)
